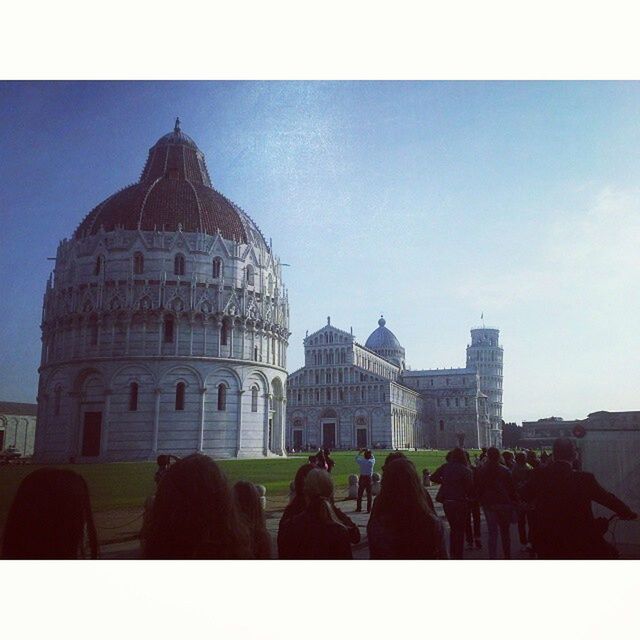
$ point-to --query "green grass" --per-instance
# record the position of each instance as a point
(127, 484)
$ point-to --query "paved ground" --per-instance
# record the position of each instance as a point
(118, 530)
(127, 547)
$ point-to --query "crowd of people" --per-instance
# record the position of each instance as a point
(196, 513)
(548, 498)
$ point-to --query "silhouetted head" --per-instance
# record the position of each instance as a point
(49, 518)
(521, 458)
(367, 454)
(301, 476)
(457, 455)
(532, 457)
(564, 449)
(318, 484)
(194, 514)
(327, 452)
(248, 502)
(394, 455)
(403, 506)
(162, 460)
(493, 455)
(507, 456)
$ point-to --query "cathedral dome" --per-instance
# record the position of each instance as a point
(174, 192)
(382, 338)
(385, 344)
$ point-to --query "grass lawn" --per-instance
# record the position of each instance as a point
(127, 484)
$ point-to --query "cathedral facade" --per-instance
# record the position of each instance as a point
(165, 325)
(350, 396)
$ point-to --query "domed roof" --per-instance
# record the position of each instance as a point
(173, 192)
(382, 338)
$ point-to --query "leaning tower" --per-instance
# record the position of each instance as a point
(484, 354)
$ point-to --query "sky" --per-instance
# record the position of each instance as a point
(429, 202)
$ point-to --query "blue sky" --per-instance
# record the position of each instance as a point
(430, 202)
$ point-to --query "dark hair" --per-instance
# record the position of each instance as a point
(564, 449)
(162, 460)
(402, 505)
(194, 514)
(367, 454)
(457, 455)
(49, 517)
(301, 475)
(507, 454)
(493, 454)
(394, 455)
(248, 502)
(521, 457)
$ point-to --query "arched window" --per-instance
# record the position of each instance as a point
(56, 401)
(217, 267)
(168, 328)
(180, 388)
(255, 353)
(222, 397)
(133, 396)
(250, 275)
(178, 265)
(441, 425)
(138, 263)
(224, 334)
(254, 399)
(99, 266)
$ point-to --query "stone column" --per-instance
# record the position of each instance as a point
(203, 395)
(75, 434)
(126, 344)
(267, 402)
(156, 422)
(239, 434)
(218, 326)
(104, 436)
(283, 424)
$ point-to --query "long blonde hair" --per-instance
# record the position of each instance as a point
(318, 492)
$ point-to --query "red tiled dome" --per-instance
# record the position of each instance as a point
(174, 189)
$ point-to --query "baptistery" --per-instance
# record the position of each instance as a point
(165, 325)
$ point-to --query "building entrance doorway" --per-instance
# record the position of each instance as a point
(329, 435)
(91, 431)
(361, 438)
(297, 439)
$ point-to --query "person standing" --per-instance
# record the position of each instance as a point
(521, 473)
(455, 494)
(402, 525)
(498, 498)
(328, 459)
(366, 462)
(321, 531)
(564, 525)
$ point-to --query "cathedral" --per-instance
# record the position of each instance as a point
(165, 325)
(351, 396)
